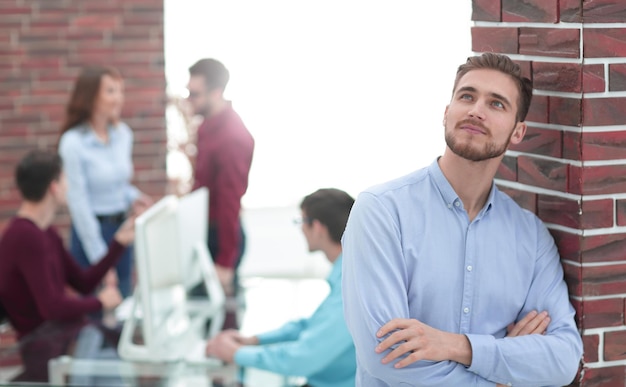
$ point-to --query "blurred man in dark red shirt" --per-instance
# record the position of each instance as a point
(225, 149)
(37, 271)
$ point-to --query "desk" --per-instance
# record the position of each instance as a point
(64, 369)
(269, 302)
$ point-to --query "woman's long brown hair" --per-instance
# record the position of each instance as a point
(83, 98)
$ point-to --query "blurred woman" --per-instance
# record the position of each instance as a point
(96, 148)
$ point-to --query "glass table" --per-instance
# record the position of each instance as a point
(290, 299)
(68, 371)
(70, 354)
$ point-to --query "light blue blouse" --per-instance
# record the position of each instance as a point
(98, 176)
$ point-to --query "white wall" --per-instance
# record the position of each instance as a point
(342, 93)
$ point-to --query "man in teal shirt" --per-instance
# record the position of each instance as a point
(320, 347)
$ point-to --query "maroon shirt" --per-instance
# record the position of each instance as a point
(35, 268)
(225, 149)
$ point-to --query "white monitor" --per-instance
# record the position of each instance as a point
(169, 244)
(193, 210)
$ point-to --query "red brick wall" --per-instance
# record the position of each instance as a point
(44, 44)
(571, 168)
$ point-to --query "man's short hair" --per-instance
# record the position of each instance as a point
(504, 64)
(215, 74)
(34, 173)
(331, 207)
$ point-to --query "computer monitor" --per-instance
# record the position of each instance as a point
(192, 215)
(193, 210)
(170, 242)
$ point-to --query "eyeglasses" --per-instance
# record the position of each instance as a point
(303, 220)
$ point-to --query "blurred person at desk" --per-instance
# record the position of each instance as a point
(225, 149)
(318, 348)
(36, 269)
(96, 147)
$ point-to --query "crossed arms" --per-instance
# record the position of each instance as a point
(450, 321)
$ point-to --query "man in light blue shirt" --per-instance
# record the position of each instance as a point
(447, 281)
(319, 347)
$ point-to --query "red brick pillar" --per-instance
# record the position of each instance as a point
(571, 168)
(44, 44)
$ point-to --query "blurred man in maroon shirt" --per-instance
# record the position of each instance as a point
(225, 149)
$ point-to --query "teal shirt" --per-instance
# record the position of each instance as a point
(319, 348)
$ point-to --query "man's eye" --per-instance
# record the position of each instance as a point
(498, 104)
(466, 97)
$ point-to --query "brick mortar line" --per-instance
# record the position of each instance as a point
(576, 163)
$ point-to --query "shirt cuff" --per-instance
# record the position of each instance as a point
(93, 304)
(116, 247)
(270, 337)
(132, 194)
(248, 356)
(95, 254)
(483, 353)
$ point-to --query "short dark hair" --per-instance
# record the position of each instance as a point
(215, 74)
(331, 207)
(504, 64)
(34, 173)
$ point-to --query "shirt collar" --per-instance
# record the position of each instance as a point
(334, 277)
(447, 192)
(214, 122)
(92, 139)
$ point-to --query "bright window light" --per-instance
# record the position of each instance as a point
(337, 93)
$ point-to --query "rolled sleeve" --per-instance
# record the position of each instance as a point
(132, 194)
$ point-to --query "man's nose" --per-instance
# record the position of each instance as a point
(477, 111)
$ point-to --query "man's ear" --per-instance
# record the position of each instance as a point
(518, 133)
(54, 186)
(216, 93)
(445, 115)
(318, 226)
(52, 190)
(57, 188)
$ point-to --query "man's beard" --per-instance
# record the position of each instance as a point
(491, 149)
(204, 111)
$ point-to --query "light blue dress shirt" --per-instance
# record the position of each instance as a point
(319, 348)
(410, 251)
(98, 176)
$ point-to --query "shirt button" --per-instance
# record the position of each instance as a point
(509, 384)
(469, 268)
(457, 204)
(449, 205)
(465, 310)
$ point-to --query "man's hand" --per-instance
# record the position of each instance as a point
(110, 279)
(110, 297)
(223, 346)
(142, 203)
(244, 340)
(422, 342)
(532, 323)
(226, 276)
(125, 234)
